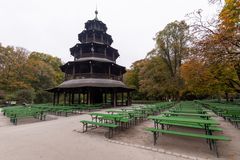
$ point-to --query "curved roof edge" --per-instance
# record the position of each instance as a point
(91, 82)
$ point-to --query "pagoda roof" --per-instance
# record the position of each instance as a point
(91, 82)
(92, 43)
(92, 59)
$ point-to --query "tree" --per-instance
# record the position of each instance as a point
(220, 43)
(155, 79)
(131, 78)
(22, 70)
(54, 62)
(172, 44)
(13, 68)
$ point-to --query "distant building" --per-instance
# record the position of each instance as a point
(93, 77)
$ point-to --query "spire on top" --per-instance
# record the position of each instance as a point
(96, 13)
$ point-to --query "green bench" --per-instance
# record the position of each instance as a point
(15, 117)
(211, 139)
(98, 124)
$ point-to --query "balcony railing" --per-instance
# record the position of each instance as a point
(93, 75)
(98, 55)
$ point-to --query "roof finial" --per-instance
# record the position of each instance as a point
(96, 13)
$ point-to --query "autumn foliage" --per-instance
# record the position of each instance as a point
(195, 60)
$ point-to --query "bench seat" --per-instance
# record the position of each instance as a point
(211, 139)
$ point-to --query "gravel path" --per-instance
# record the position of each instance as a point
(61, 140)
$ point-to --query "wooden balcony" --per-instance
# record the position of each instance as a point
(93, 75)
(98, 55)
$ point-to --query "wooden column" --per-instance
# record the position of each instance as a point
(109, 71)
(79, 98)
(88, 98)
(102, 38)
(84, 98)
(80, 52)
(54, 97)
(122, 98)
(65, 96)
(58, 94)
(114, 99)
(94, 37)
(105, 52)
(73, 98)
(91, 68)
(128, 99)
(73, 71)
(105, 98)
(69, 98)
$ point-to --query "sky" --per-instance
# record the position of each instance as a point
(52, 26)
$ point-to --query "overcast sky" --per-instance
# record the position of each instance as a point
(52, 26)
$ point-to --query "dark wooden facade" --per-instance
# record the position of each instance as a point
(93, 77)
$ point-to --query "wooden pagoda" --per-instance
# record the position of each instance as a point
(94, 76)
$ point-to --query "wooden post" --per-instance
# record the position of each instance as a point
(88, 97)
(54, 96)
(80, 52)
(105, 52)
(94, 38)
(122, 98)
(79, 98)
(58, 94)
(69, 98)
(65, 98)
(84, 98)
(73, 71)
(105, 98)
(109, 71)
(114, 99)
(102, 38)
(91, 69)
(128, 99)
(73, 98)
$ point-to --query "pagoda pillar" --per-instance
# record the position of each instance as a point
(74, 71)
(105, 98)
(114, 99)
(105, 52)
(88, 97)
(83, 99)
(79, 98)
(73, 98)
(128, 99)
(65, 96)
(91, 69)
(94, 37)
(109, 71)
(80, 52)
(102, 38)
(54, 97)
(58, 94)
(122, 98)
(69, 98)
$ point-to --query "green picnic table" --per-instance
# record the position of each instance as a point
(190, 111)
(202, 122)
(115, 117)
(207, 116)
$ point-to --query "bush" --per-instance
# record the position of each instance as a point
(25, 96)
